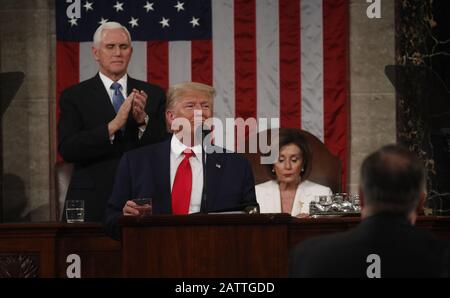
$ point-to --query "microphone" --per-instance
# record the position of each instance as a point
(246, 208)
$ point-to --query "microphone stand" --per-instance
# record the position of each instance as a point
(203, 207)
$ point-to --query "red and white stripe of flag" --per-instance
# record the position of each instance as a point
(267, 59)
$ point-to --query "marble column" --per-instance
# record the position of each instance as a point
(26, 47)
(372, 97)
(423, 115)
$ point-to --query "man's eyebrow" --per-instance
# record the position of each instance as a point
(116, 43)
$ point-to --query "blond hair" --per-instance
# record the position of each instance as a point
(176, 91)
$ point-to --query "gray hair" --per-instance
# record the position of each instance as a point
(108, 25)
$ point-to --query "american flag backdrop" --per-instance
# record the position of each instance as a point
(283, 59)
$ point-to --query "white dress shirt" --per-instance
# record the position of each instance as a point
(176, 156)
(269, 198)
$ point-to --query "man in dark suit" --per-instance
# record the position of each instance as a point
(157, 171)
(386, 243)
(105, 116)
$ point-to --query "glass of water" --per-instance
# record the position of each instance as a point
(75, 211)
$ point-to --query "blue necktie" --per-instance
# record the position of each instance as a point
(117, 99)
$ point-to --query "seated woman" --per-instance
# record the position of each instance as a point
(289, 191)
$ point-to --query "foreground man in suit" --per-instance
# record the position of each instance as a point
(171, 173)
(386, 243)
(105, 116)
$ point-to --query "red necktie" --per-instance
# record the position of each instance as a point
(182, 185)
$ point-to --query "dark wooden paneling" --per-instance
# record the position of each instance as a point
(53, 242)
(205, 251)
(27, 239)
(206, 246)
(100, 255)
(303, 228)
(22, 265)
(171, 246)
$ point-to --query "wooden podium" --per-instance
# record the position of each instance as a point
(220, 245)
(187, 246)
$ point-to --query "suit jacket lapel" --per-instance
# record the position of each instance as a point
(273, 196)
(131, 84)
(214, 169)
(100, 93)
(162, 177)
(297, 205)
(131, 134)
(101, 97)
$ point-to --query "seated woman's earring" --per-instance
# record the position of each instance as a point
(273, 170)
(302, 171)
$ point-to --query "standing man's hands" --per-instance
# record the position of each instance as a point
(121, 116)
(135, 102)
(138, 108)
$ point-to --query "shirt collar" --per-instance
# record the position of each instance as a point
(177, 148)
(108, 82)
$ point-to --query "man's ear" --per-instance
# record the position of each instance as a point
(361, 197)
(170, 116)
(365, 212)
(412, 218)
(94, 51)
(419, 209)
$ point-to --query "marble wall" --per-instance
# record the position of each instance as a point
(27, 43)
(26, 46)
(372, 97)
(423, 53)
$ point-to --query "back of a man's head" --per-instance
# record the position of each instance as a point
(392, 180)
